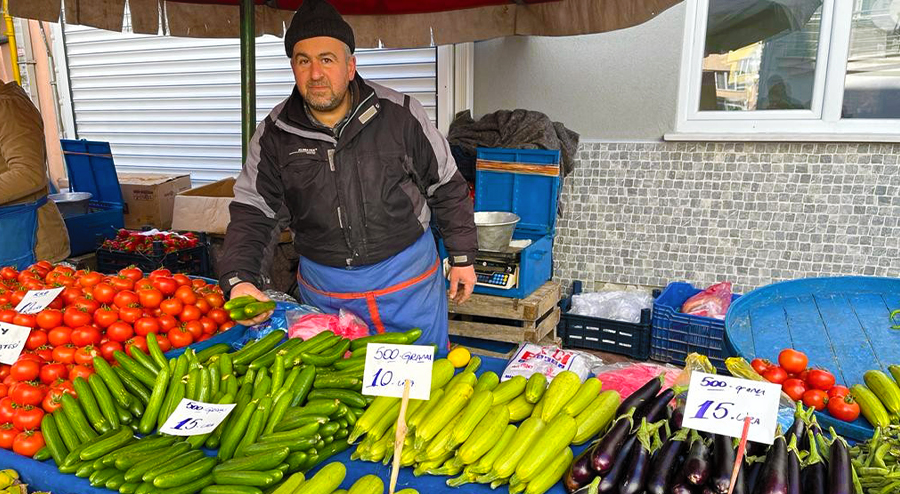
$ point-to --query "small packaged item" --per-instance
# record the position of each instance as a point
(550, 361)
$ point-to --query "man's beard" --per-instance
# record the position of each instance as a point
(324, 104)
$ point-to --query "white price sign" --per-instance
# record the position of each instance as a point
(719, 404)
(12, 341)
(37, 300)
(192, 418)
(389, 366)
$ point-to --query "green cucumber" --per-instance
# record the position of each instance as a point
(393, 338)
(152, 461)
(244, 477)
(52, 439)
(230, 489)
(259, 348)
(346, 396)
(234, 433)
(104, 400)
(112, 381)
(133, 385)
(134, 368)
(118, 439)
(183, 476)
(177, 459)
(303, 385)
(130, 459)
(90, 406)
(218, 349)
(257, 422)
(76, 418)
(66, 431)
(265, 461)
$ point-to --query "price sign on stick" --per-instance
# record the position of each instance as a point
(12, 341)
(720, 404)
(389, 366)
(37, 300)
(192, 418)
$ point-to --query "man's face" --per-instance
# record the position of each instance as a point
(323, 71)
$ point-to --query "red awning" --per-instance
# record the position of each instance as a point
(376, 23)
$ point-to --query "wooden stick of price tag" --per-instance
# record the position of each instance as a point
(742, 446)
(399, 438)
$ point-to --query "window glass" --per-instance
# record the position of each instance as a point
(760, 54)
(872, 85)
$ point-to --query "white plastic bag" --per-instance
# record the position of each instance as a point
(622, 306)
(549, 361)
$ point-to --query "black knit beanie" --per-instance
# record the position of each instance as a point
(317, 18)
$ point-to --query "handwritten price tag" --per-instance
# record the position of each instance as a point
(12, 341)
(719, 404)
(37, 300)
(389, 366)
(192, 418)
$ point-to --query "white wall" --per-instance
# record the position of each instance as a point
(620, 85)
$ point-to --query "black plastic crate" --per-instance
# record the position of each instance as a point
(606, 335)
(193, 261)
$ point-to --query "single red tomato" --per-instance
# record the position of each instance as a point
(36, 339)
(150, 299)
(195, 328)
(8, 273)
(132, 272)
(28, 393)
(820, 379)
(838, 391)
(126, 298)
(214, 300)
(182, 279)
(75, 317)
(105, 316)
(66, 386)
(164, 344)
(131, 313)
(166, 323)
(7, 315)
(7, 410)
(203, 305)
(104, 293)
(843, 408)
(219, 316)
(146, 325)
(159, 273)
(28, 443)
(180, 337)
(190, 313)
(53, 401)
(143, 284)
(137, 341)
(209, 326)
(90, 278)
(86, 335)
(792, 361)
(186, 295)
(44, 352)
(59, 335)
(88, 303)
(228, 325)
(85, 355)
(82, 371)
(53, 371)
(171, 306)
(49, 318)
(8, 435)
(120, 332)
(109, 348)
(198, 283)
(794, 388)
(775, 375)
(25, 370)
(27, 320)
(4, 370)
(120, 283)
(65, 353)
(28, 417)
(165, 285)
(4, 390)
(815, 398)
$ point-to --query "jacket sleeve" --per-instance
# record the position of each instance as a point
(258, 195)
(22, 147)
(446, 191)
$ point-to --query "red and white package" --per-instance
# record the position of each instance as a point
(712, 302)
(547, 360)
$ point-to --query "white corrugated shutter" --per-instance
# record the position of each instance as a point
(172, 105)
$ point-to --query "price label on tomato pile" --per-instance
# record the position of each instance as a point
(37, 300)
(12, 341)
(389, 366)
(719, 404)
(192, 418)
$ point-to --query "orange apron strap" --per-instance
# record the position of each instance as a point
(373, 313)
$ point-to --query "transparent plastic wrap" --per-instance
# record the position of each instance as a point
(284, 304)
(309, 321)
(739, 367)
(550, 361)
(627, 377)
(622, 306)
(712, 302)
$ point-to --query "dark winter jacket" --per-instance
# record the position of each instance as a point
(356, 195)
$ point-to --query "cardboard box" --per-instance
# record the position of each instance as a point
(150, 198)
(205, 208)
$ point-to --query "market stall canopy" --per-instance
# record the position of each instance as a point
(376, 23)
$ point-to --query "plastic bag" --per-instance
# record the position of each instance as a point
(738, 367)
(345, 323)
(712, 302)
(627, 377)
(277, 321)
(549, 361)
(623, 306)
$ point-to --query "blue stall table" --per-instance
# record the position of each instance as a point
(44, 476)
(842, 324)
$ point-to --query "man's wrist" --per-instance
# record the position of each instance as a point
(234, 278)
(461, 260)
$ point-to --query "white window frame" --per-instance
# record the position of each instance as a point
(822, 122)
(455, 80)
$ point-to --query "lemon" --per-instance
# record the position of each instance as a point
(459, 357)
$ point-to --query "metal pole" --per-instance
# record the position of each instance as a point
(248, 74)
(13, 49)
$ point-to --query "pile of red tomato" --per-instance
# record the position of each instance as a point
(95, 315)
(814, 387)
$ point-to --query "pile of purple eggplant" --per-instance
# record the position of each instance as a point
(646, 451)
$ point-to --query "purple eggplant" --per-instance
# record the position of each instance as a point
(610, 482)
(723, 463)
(773, 479)
(665, 461)
(681, 484)
(801, 424)
(656, 409)
(756, 449)
(643, 394)
(708, 490)
(840, 476)
(581, 473)
(590, 488)
(696, 465)
(753, 466)
(676, 418)
(639, 463)
(740, 485)
(604, 453)
(815, 472)
(793, 467)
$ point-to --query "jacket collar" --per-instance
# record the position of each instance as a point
(295, 116)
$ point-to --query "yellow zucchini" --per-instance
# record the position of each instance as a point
(486, 462)
(487, 381)
(562, 388)
(885, 389)
(485, 435)
(550, 475)
(475, 410)
(596, 416)
(554, 438)
(870, 406)
(519, 408)
(535, 388)
(508, 390)
(588, 390)
(525, 437)
(451, 403)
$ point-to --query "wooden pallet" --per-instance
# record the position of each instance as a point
(488, 317)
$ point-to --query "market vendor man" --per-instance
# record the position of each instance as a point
(362, 172)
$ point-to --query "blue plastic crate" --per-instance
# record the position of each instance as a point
(675, 335)
(91, 169)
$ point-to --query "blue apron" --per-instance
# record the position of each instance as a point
(402, 292)
(18, 228)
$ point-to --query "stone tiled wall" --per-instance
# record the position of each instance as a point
(750, 213)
